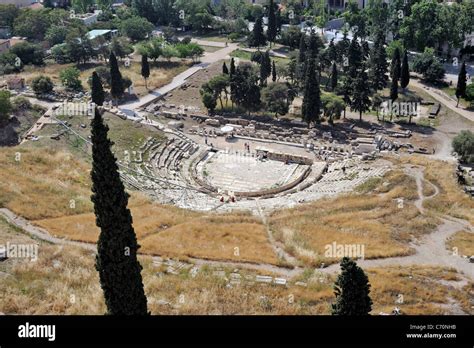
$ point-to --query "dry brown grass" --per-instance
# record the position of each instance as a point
(451, 200)
(425, 290)
(463, 241)
(233, 237)
(72, 287)
(373, 220)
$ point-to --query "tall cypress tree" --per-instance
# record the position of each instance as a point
(396, 64)
(352, 289)
(116, 262)
(333, 77)
(97, 91)
(274, 72)
(302, 49)
(461, 86)
(405, 73)
(232, 66)
(311, 108)
(224, 69)
(272, 25)
(361, 93)
(257, 37)
(145, 69)
(378, 63)
(116, 82)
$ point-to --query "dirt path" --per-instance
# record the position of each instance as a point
(444, 99)
(43, 235)
(430, 250)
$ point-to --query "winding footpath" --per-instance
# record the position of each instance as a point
(430, 250)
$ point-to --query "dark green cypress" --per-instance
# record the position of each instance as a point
(232, 67)
(352, 289)
(274, 72)
(311, 108)
(334, 76)
(378, 64)
(116, 81)
(97, 91)
(272, 25)
(361, 93)
(461, 85)
(224, 69)
(116, 261)
(396, 64)
(257, 37)
(405, 73)
(145, 69)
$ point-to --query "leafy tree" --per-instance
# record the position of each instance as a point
(152, 48)
(378, 67)
(352, 290)
(274, 98)
(463, 144)
(145, 69)
(5, 107)
(168, 52)
(144, 9)
(209, 101)
(97, 91)
(429, 66)
(82, 6)
(116, 82)
(32, 24)
(8, 13)
(117, 247)
(121, 47)
(405, 74)
(166, 12)
(78, 47)
(291, 37)
(311, 107)
(136, 28)
(272, 28)
(56, 34)
(42, 84)
(70, 78)
(244, 89)
(461, 85)
(257, 37)
(470, 93)
(216, 86)
(361, 93)
(333, 106)
(28, 53)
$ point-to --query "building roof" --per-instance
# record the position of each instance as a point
(98, 32)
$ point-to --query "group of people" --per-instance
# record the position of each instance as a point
(247, 147)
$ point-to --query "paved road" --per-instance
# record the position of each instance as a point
(207, 59)
(444, 99)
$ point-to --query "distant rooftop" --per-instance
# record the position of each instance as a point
(98, 32)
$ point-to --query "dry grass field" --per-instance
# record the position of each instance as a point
(64, 281)
(373, 218)
(451, 200)
(52, 189)
(463, 241)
